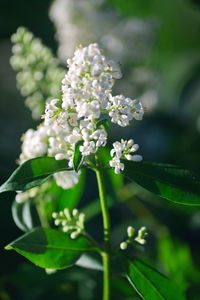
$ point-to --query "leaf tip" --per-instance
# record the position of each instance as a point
(8, 247)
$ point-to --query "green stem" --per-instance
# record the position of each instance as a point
(42, 215)
(106, 227)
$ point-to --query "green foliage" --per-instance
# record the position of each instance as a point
(104, 123)
(70, 198)
(48, 198)
(150, 284)
(113, 181)
(168, 181)
(24, 215)
(78, 158)
(177, 261)
(32, 173)
(89, 262)
(48, 248)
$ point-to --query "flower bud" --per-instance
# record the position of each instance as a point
(74, 235)
(66, 228)
(123, 246)
(67, 213)
(130, 231)
(54, 215)
(75, 212)
(57, 222)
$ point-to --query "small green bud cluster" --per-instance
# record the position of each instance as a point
(142, 234)
(39, 74)
(72, 222)
(140, 238)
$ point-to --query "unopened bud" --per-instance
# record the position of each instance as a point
(75, 212)
(74, 235)
(130, 231)
(123, 246)
(57, 222)
(67, 213)
(54, 215)
(61, 214)
(66, 228)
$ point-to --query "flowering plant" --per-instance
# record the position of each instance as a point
(71, 139)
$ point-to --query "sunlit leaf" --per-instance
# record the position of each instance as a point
(89, 262)
(150, 284)
(25, 215)
(168, 181)
(48, 248)
(33, 172)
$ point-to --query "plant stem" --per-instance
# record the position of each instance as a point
(106, 227)
(42, 215)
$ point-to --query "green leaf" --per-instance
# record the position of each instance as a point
(17, 214)
(60, 198)
(104, 123)
(49, 248)
(78, 158)
(70, 198)
(33, 172)
(150, 284)
(89, 262)
(25, 215)
(168, 181)
(176, 258)
(113, 181)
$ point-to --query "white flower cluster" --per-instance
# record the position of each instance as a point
(83, 21)
(122, 110)
(130, 41)
(34, 143)
(23, 196)
(37, 194)
(86, 95)
(38, 74)
(123, 150)
(87, 88)
(140, 238)
(37, 143)
(72, 222)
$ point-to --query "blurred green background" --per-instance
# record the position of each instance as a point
(169, 133)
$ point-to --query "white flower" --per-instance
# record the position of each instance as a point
(35, 143)
(123, 150)
(100, 136)
(118, 148)
(115, 163)
(50, 112)
(87, 148)
(66, 179)
(122, 110)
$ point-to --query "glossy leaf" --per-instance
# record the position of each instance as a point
(25, 215)
(113, 181)
(104, 123)
(150, 284)
(17, 214)
(61, 199)
(168, 181)
(88, 262)
(78, 158)
(70, 198)
(32, 173)
(48, 248)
